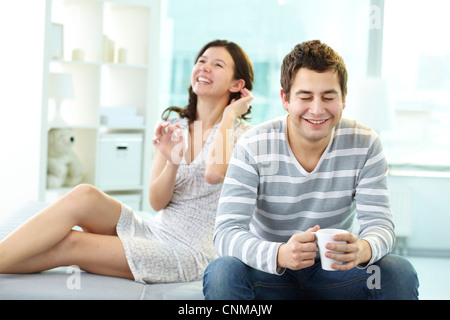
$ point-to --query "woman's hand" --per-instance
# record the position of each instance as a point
(169, 140)
(240, 106)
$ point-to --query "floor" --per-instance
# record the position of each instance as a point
(434, 277)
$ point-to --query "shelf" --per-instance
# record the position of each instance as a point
(125, 189)
(112, 190)
(125, 65)
(74, 127)
(100, 128)
(80, 63)
(99, 64)
(109, 48)
(121, 128)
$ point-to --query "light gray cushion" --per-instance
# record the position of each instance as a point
(58, 284)
(69, 283)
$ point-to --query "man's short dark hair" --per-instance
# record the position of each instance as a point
(313, 55)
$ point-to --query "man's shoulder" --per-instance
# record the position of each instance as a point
(355, 133)
(273, 127)
(345, 123)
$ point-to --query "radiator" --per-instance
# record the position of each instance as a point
(401, 206)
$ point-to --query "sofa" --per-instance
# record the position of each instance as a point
(71, 283)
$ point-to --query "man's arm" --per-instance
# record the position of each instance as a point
(237, 204)
(373, 207)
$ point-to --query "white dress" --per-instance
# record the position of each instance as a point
(177, 244)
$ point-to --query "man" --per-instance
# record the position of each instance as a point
(290, 176)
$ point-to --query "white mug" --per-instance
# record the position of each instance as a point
(324, 236)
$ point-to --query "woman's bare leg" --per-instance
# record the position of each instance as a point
(84, 206)
(95, 253)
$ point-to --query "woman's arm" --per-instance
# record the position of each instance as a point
(168, 154)
(219, 152)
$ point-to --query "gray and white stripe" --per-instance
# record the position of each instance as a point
(267, 196)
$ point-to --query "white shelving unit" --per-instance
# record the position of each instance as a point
(111, 50)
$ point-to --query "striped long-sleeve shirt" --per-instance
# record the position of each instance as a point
(267, 196)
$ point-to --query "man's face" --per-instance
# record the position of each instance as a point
(315, 104)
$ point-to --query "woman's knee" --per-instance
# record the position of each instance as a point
(85, 193)
(86, 199)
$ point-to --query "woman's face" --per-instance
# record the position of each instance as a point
(213, 73)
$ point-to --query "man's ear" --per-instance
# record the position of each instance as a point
(284, 99)
(344, 102)
(237, 85)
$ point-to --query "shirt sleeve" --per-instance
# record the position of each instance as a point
(373, 205)
(233, 236)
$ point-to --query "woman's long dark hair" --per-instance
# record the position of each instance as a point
(243, 69)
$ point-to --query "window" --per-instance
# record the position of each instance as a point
(416, 62)
(412, 56)
(267, 30)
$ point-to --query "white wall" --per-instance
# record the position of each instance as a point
(22, 25)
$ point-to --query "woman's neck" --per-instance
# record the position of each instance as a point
(210, 111)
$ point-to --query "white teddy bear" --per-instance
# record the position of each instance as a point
(63, 167)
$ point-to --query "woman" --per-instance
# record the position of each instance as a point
(191, 156)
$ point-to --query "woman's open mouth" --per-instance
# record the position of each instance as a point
(204, 80)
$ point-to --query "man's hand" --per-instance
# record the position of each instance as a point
(299, 252)
(356, 251)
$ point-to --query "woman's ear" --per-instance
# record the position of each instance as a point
(237, 85)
